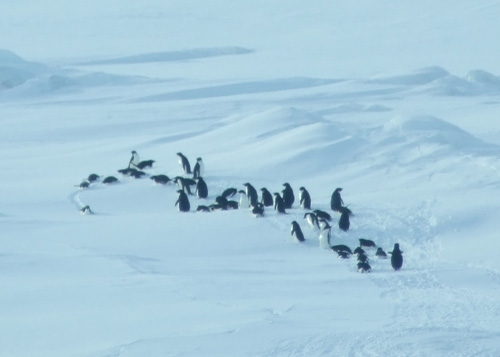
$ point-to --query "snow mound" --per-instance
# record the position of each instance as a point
(431, 130)
(438, 81)
(20, 78)
(169, 56)
(15, 71)
(241, 88)
(484, 79)
(418, 77)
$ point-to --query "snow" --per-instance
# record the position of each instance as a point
(395, 103)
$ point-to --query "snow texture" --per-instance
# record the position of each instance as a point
(395, 103)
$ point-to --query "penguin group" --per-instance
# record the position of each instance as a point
(191, 182)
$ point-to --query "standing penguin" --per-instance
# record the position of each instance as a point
(344, 222)
(304, 198)
(288, 196)
(183, 202)
(183, 184)
(312, 219)
(324, 237)
(243, 201)
(279, 205)
(336, 202)
(296, 232)
(251, 194)
(396, 257)
(134, 160)
(266, 198)
(201, 188)
(199, 168)
(184, 162)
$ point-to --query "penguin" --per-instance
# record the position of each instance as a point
(110, 179)
(336, 202)
(184, 184)
(258, 210)
(296, 232)
(199, 168)
(304, 198)
(323, 223)
(243, 201)
(364, 267)
(136, 173)
(221, 203)
(145, 164)
(341, 248)
(324, 238)
(251, 193)
(312, 219)
(288, 196)
(134, 160)
(84, 184)
(86, 210)
(279, 204)
(232, 204)
(93, 178)
(322, 214)
(230, 192)
(380, 253)
(202, 208)
(125, 172)
(344, 222)
(367, 243)
(184, 162)
(266, 198)
(343, 255)
(183, 202)
(396, 257)
(201, 188)
(358, 251)
(363, 258)
(160, 179)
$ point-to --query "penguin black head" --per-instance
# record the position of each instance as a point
(338, 189)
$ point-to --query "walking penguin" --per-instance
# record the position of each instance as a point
(184, 162)
(183, 202)
(288, 196)
(296, 232)
(396, 257)
(304, 198)
(199, 168)
(336, 202)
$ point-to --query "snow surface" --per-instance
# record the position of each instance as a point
(396, 103)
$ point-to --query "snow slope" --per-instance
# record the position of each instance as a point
(395, 103)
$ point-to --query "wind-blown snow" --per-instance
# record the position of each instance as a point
(395, 103)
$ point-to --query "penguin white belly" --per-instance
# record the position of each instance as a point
(324, 239)
(244, 203)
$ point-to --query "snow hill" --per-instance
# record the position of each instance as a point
(394, 103)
